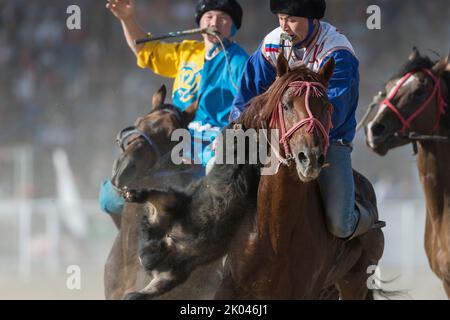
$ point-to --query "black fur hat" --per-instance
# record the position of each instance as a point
(314, 9)
(232, 7)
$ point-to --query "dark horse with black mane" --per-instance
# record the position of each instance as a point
(284, 250)
(415, 111)
(184, 229)
(146, 162)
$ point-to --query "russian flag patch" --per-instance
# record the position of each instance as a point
(272, 48)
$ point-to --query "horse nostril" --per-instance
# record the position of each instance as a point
(378, 129)
(321, 160)
(302, 157)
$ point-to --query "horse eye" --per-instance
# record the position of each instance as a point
(419, 92)
(287, 105)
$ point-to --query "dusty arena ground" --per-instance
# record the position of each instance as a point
(404, 262)
(422, 285)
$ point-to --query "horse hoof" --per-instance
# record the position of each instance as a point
(135, 296)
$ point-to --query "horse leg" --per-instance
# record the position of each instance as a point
(117, 219)
(353, 286)
(113, 272)
(447, 287)
(329, 293)
(226, 290)
(161, 283)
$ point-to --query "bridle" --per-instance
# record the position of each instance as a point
(131, 134)
(123, 139)
(315, 89)
(128, 135)
(406, 122)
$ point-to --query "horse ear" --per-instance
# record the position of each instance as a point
(282, 65)
(189, 112)
(159, 97)
(326, 72)
(414, 54)
(441, 66)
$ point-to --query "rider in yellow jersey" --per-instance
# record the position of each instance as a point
(199, 69)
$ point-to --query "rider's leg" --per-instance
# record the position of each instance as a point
(346, 218)
(338, 191)
(111, 202)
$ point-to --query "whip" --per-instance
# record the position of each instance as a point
(176, 34)
(209, 30)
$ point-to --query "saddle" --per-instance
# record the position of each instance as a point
(366, 202)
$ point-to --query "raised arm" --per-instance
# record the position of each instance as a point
(124, 10)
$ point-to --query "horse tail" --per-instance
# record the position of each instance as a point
(381, 294)
(387, 294)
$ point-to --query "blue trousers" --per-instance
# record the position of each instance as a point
(338, 191)
(109, 200)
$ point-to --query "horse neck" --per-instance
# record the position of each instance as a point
(176, 175)
(286, 206)
(432, 162)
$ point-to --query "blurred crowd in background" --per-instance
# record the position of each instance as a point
(77, 88)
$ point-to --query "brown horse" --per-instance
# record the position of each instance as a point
(414, 112)
(285, 251)
(145, 163)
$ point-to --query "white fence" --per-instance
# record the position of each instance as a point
(35, 233)
(46, 232)
(403, 234)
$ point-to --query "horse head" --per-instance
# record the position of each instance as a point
(148, 140)
(413, 106)
(297, 105)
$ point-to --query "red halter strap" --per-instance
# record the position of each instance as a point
(316, 89)
(406, 123)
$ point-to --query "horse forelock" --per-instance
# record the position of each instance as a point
(261, 107)
(177, 113)
(420, 62)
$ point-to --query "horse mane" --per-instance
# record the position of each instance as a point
(420, 62)
(261, 107)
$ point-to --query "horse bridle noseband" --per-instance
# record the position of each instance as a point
(123, 138)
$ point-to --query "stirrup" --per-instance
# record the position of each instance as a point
(368, 220)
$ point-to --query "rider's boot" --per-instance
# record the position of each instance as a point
(368, 218)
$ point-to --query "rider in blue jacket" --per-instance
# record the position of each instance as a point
(313, 43)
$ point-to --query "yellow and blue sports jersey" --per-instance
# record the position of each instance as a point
(181, 61)
(194, 77)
